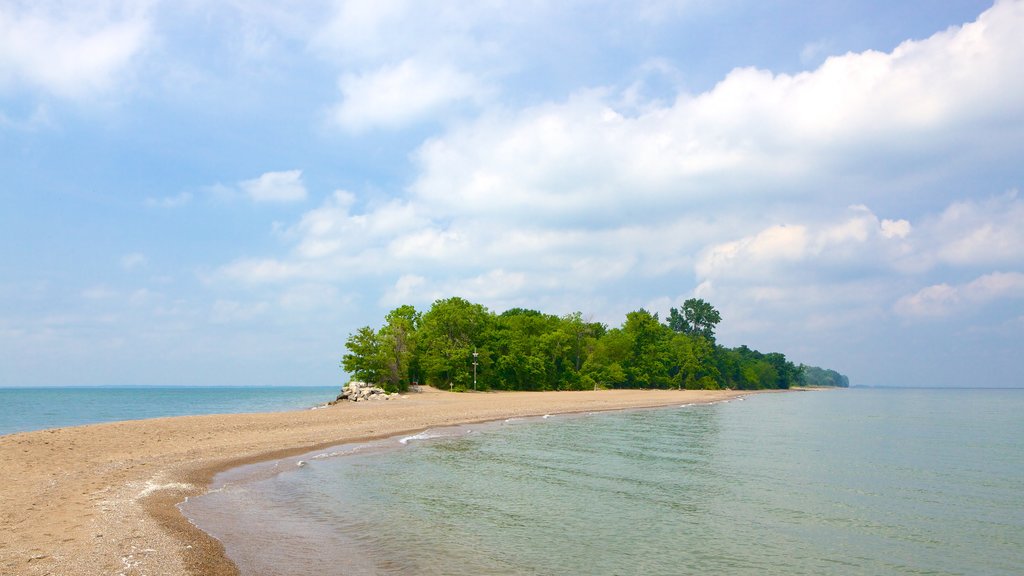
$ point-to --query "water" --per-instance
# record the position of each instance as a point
(840, 482)
(24, 409)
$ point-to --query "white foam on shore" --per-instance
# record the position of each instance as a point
(425, 435)
(154, 487)
(351, 450)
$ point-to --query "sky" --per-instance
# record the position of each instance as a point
(219, 193)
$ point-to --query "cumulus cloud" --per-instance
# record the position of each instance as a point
(735, 194)
(395, 96)
(756, 136)
(276, 187)
(67, 48)
(403, 62)
(981, 232)
(861, 241)
(944, 300)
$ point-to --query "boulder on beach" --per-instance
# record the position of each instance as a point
(356, 391)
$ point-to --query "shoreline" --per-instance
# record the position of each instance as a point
(102, 499)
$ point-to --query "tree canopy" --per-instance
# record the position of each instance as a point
(522, 349)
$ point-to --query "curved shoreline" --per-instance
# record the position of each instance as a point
(102, 499)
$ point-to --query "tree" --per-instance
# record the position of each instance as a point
(814, 376)
(397, 340)
(364, 361)
(604, 366)
(523, 349)
(582, 337)
(447, 335)
(645, 365)
(699, 372)
(697, 318)
(788, 373)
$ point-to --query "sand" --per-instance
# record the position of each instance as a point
(101, 499)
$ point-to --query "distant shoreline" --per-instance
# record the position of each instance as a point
(103, 498)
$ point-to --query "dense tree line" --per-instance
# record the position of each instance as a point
(814, 376)
(523, 349)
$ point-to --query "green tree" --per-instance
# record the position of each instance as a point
(603, 368)
(447, 336)
(364, 361)
(699, 371)
(645, 366)
(397, 341)
(697, 318)
(524, 349)
(582, 337)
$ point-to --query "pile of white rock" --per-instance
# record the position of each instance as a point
(356, 391)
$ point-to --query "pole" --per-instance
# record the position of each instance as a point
(475, 354)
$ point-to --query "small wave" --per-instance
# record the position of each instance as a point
(546, 416)
(425, 435)
(337, 453)
(685, 405)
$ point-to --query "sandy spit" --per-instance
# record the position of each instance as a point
(101, 499)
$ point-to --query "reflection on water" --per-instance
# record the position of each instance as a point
(845, 482)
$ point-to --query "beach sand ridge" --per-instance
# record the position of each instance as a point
(102, 499)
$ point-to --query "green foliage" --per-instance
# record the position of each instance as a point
(364, 361)
(447, 334)
(698, 318)
(814, 376)
(385, 357)
(523, 349)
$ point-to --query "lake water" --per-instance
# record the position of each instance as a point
(838, 482)
(24, 409)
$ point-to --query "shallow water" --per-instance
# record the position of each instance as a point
(25, 409)
(838, 482)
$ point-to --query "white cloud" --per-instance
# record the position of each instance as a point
(756, 136)
(360, 28)
(735, 191)
(266, 270)
(813, 51)
(276, 187)
(895, 228)
(70, 49)
(408, 288)
(134, 260)
(944, 300)
(175, 201)
(395, 96)
(232, 311)
(860, 241)
(310, 296)
(981, 232)
(99, 292)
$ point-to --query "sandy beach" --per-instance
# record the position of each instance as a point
(101, 499)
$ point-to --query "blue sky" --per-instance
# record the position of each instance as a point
(220, 192)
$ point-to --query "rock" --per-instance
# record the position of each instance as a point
(356, 391)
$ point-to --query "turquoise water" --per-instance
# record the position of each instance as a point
(839, 482)
(24, 409)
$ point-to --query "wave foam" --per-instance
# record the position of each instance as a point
(425, 435)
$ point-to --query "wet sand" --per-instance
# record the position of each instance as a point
(101, 499)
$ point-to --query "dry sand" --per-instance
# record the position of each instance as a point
(101, 499)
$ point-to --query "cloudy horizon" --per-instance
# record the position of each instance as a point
(219, 193)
